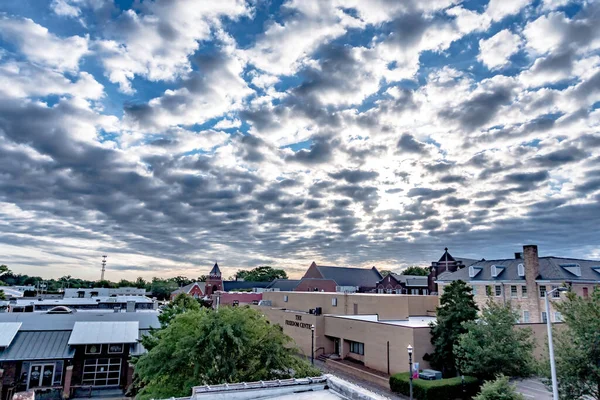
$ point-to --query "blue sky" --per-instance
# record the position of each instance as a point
(169, 134)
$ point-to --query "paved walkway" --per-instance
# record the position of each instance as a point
(533, 389)
(360, 382)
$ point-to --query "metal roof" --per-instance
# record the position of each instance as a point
(230, 286)
(57, 322)
(41, 345)
(285, 285)
(345, 276)
(8, 330)
(104, 332)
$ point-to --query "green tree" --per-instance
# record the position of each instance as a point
(181, 303)
(493, 345)
(4, 270)
(261, 274)
(456, 307)
(414, 270)
(140, 283)
(235, 344)
(2, 296)
(385, 272)
(499, 389)
(162, 288)
(577, 347)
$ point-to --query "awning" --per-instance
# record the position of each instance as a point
(104, 332)
(8, 330)
(40, 345)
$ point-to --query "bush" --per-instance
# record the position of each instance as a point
(441, 389)
(500, 389)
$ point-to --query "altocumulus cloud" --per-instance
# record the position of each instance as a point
(169, 134)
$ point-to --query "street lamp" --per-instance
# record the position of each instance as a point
(312, 344)
(550, 344)
(410, 371)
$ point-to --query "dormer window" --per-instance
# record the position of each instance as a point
(473, 271)
(574, 269)
(521, 269)
(494, 271)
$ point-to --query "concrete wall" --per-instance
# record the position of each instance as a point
(385, 305)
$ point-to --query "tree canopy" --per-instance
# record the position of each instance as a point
(2, 296)
(456, 307)
(235, 344)
(499, 389)
(577, 347)
(261, 274)
(493, 345)
(181, 303)
(414, 270)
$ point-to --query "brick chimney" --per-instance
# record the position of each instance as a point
(532, 262)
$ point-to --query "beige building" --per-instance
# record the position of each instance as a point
(373, 329)
(524, 280)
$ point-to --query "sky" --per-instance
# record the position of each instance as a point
(172, 134)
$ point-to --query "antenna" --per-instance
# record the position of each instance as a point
(103, 267)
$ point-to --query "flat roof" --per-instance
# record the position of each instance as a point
(57, 322)
(104, 332)
(8, 330)
(81, 301)
(411, 322)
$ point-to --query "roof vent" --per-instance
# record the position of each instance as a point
(575, 269)
(521, 269)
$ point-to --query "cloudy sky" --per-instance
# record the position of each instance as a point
(170, 134)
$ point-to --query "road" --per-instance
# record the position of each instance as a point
(533, 389)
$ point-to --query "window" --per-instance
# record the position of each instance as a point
(93, 349)
(101, 372)
(488, 290)
(285, 298)
(585, 292)
(426, 291)
(555, 294)
(544, 317)
(521, 269)
(525, 317)
(513, 291)
(357, 348)
(379, 290)
(498, 290)
(388, 291)
(334, 301)
(542, 291)
(523, 291)
(414, 291)
(115, 348)
(494, 271)
(557, 317)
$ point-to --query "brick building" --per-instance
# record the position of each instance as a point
(403, 284)
(524, 280)
(446, 263)
(338, 279)
(193, 289)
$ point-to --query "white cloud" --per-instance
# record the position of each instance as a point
(19, 79)
(156, 43)
(228, 124)
(545, 33)
(41, 46)
(496, 51)
(498, 9)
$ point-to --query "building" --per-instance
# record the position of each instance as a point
(70, 355)
(194, 289)
(366, 329)
(104, 292)
(403, 284)
(130, 303)
(283, 285)
(338, 279)
(524, 280)
(446, 263)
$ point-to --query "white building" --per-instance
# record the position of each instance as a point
(103, 292)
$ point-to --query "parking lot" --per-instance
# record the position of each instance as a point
(533, 389)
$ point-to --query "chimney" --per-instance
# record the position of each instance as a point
(518, 256)
(532, 262)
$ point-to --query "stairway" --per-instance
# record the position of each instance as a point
(322, 357)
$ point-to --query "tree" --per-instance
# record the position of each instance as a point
(235, 344)
(181, 280)
(140, 283)
(577, 347)
(456, 307)
(2, 296)
(493, 345)
(385, 272)
(162, 288)
(261, 274)
(4, 270)
(414, 270)
(181, 303)
(499, 389)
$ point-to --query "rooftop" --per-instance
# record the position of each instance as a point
(57, 322)
(411, 322)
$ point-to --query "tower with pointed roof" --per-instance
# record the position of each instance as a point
(446, 263)
(214, 282)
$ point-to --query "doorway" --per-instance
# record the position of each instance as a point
(336, 346)
(40, 375)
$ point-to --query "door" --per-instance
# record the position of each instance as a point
(336, 346)
(355, 309)
(41, 375)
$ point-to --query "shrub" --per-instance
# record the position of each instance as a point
(499, 389)
(441, 389)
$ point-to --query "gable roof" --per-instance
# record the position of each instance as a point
(40, 345)
(284, 285)
(446, 256)
(346, 276)
(551, 269)
(186, 289)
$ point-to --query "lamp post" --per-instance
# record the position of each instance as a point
(410, 371)
(312, 344)
(550, 344)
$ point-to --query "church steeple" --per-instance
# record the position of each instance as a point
(215, 271)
